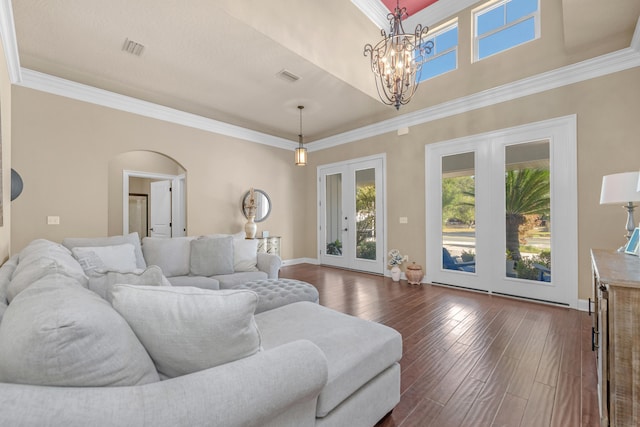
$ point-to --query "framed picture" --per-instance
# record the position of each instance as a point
(632, 245)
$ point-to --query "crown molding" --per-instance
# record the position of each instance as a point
(374, 10)
(9, 42)
(592, 68)
(67, 88)
(437, 12)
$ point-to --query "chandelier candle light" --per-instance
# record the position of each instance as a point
(394, 62)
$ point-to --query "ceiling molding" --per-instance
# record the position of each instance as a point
(600, 66)
(437, 12)
(9, 42)
(69, 89)
(375, 11)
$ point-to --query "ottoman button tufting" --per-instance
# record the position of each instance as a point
(273, 293)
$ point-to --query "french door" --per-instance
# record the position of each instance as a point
(351, 214)
(502, 212)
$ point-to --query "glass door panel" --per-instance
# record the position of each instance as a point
(333, 215)
(366, 214)
(528, 211)
(458, 212)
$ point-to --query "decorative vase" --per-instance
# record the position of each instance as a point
(414, 274)
(250, 228)
(395, 273)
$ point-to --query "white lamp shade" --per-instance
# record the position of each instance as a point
(620, 188)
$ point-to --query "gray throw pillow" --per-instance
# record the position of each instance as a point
(56, 333)
(188, 329)
(101, 280)
(211, 256)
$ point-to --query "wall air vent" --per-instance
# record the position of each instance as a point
(288, 76)
(132, 47)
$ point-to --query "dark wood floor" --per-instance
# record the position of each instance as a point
(472, 359)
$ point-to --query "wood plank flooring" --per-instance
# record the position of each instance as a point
(471, 359)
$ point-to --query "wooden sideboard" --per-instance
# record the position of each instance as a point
(616, 336)
(270, 245)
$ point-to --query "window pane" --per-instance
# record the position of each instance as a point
(527, 219)
(439, 65)
(458, 212)
(447, 40)
(334, 214)
(516, 9)
(490, 20)
(366, 214)
(509, 37)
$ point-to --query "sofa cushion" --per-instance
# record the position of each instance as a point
(39, 259)
(6, 272)
(172, 254)
(211, 256)
(115, 258)
(357, 350)
(229, 281)
(58, 333)
(245, 255)
(190, 329)
(133, 238)
(196, 281)
(100, 280)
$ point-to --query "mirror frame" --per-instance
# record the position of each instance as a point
(245, 197)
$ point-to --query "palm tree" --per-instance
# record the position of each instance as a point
(526, 193)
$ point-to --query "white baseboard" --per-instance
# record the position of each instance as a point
(295, 261)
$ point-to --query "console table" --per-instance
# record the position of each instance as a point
(270, 245)
(616, 336)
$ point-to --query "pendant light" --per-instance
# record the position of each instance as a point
(301, 151)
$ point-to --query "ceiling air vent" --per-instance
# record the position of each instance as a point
(288, 76)
(132, 47)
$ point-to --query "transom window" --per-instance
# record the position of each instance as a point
(444, 55)
(505, 24)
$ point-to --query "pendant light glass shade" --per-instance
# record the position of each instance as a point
(301, 151)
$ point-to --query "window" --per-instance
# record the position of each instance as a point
(505, 24)
(444, 55)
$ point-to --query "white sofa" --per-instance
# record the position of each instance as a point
(149, 354)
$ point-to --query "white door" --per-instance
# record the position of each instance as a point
(502, 211)
(178, 201)
(351, 214)
(160, 209)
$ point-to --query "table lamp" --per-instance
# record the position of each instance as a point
(622, 188)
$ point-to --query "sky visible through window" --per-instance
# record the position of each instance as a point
(497, 28)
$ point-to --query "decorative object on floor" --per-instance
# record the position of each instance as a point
(16, 184)
(394, 61)
(261, 205)
(622, 188)
(395, 261)
(301, 152)
(414, 274)
(250, 227)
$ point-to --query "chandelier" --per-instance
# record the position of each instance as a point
(397, 59)
(301, 152)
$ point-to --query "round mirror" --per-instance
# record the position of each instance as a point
(262, 205)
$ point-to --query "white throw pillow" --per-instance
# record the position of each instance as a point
(245, 255)
(187, 329)
(120, 258)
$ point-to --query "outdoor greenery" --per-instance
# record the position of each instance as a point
(458, 199)
(526, 194)
(526, 267)
(366, 222)
(334, 248)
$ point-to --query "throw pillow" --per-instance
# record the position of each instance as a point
(211, 256)
(100, 280)
(187, 329)
(115, 258)
(133, 238)
(171, 254)
(245, 255)
(55, 334)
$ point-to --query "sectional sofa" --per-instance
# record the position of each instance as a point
(86, 342)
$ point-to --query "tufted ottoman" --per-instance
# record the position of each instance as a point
(274, 293)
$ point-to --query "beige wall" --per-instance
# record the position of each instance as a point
(64, 147)
(5, 122)
(608, 128)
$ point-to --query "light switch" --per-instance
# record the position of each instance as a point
(53, 220)
(404, 220)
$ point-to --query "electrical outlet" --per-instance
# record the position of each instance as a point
(53, 220)
(404, 220)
